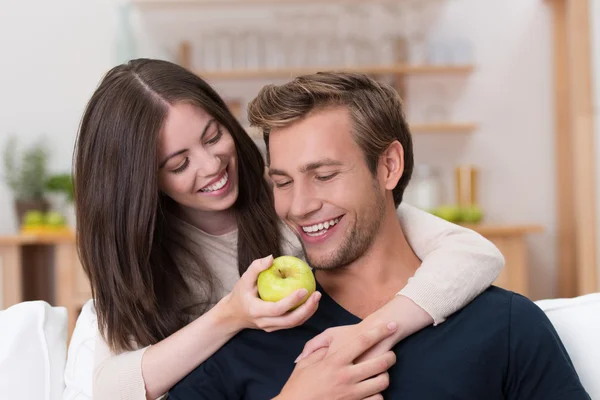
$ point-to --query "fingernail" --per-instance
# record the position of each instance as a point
(298, 359)
(318, 296)
(302, 292)
(392, 326)
(267, 257)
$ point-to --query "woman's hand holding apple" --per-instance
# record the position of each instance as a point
(249, 311)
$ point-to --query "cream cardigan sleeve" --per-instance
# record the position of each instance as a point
(117, 376)
(457, 263)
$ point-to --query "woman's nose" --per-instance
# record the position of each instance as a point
(209, 165)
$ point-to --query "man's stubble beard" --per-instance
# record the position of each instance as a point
(359, 239)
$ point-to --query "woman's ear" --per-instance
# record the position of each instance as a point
(392, 163)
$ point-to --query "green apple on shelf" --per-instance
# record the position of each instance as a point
(33, 218)
(448, 212)
(36, 222)
(471, 214)
(456, 214)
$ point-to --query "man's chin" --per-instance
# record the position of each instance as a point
(321, 262)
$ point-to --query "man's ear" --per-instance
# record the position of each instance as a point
(392, 165)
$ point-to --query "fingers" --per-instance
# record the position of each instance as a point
(313, 358)
(372, 386)
(293, 318)
(364, 342)
(269, 310)
(374, 367)
(257, 266)
(318, 342)
(286, 304)
(375, 397)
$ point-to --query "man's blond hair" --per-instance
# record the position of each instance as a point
(375, 110)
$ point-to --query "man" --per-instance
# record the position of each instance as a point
(340, 158)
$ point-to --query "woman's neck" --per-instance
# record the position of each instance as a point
(212, 222)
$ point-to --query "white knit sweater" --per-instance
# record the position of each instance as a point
(457, 265)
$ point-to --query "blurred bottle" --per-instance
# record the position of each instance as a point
(466, 186)
(424, 189)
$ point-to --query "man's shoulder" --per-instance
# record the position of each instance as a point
(520, 308)
(493, 299)
(503, 308)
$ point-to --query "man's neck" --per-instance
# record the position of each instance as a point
(371, 281)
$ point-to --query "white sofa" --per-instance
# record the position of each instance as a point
(33, 348)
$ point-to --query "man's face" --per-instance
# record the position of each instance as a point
(323, 188)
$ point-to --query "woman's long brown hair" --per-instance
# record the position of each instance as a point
(133, 251)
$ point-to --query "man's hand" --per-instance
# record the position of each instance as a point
(336, 338)
(401, 310)
(335, 375)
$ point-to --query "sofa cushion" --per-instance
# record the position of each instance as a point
(32, 351)
(577, 322)
(80, 360)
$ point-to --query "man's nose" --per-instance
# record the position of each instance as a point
(304, 202)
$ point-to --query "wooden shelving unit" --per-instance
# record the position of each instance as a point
(497, 230)
(400, 69)
(449, 127)
(43, 267)
(511, 240)
(221, 3)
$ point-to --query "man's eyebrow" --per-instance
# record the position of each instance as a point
(208, 125)
(327, 162)
(273, 171)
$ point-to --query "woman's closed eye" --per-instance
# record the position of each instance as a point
(182, 167)
(216, 137)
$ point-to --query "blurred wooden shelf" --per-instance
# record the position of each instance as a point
(206, 3)
(400, 69)
(43, 267)
(511, 241)
(447, 127)
(503, 230)
(422, 128)
(43, 239)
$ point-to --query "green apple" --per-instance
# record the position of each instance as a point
(33, 218)
(55, 219)
(449, 213)
(286, 275)
(471, 214)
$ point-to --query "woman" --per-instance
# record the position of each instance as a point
(172, 208)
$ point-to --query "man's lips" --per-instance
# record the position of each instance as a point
(323, 224)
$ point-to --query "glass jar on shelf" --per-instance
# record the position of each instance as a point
(425, 188)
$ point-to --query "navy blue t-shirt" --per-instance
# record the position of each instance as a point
(500, 346)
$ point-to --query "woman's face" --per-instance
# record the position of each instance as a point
(197, 160)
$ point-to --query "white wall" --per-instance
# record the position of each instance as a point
(52, 55)
(510, 95)
(54, 61)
